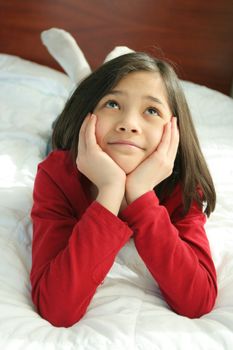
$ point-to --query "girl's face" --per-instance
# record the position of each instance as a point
(131, 118)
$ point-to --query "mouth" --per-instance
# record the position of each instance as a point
(125, 143)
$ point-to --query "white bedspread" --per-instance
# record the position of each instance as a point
(127, 311)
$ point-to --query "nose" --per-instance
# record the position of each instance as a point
(129, 123)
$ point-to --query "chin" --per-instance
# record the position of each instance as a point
(126, 167)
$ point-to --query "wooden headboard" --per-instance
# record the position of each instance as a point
(194, 34)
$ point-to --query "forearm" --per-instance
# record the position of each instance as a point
(177, 256)
(188, 282)
(63, 286)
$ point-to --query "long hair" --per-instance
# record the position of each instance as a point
(190, 168)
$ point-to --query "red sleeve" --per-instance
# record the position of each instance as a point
(70, 256)
(176, 251)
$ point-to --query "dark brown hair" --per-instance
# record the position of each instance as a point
(190, 168)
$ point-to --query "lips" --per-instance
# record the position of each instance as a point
(124, 142)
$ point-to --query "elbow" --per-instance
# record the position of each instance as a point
(196, 312)
(195, 301)
(198, 306)
(59, 304)
(58, 313)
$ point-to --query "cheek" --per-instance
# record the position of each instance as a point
(98, 132)
(101, 130)
(154, 138)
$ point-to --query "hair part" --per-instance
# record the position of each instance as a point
(190, 168)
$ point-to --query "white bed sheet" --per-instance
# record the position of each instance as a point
(127, 311)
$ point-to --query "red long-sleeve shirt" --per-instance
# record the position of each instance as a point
(76, 239)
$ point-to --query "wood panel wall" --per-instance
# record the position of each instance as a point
(195, 34)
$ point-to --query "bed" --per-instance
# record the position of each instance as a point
(127, 311)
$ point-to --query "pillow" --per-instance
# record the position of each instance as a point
(31, 96)
(11, 65)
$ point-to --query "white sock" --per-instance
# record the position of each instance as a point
(64, 49)
(118, 51)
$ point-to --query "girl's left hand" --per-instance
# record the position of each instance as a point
(157, 167)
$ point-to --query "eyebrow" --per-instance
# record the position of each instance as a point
(147, 97)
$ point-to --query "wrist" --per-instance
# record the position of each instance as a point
(132, 194)
(111, 196)
(112, 182)
(134, 190)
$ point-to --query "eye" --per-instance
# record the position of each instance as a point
(152, 111)
(112, 104)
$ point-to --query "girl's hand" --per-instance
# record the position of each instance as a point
(99, 168)
(92, 161)
(157, 167)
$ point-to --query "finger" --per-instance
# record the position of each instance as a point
(165, 140)
(174, 143)
(90, 131)
(82, 132)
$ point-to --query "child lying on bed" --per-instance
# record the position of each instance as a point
(126, 165)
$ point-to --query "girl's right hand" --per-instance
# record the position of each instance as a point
(93, 162)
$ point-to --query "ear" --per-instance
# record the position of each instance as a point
(118, 51)
(64, 49)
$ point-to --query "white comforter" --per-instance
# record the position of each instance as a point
(127, 311)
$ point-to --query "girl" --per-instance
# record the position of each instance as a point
(121, 170)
